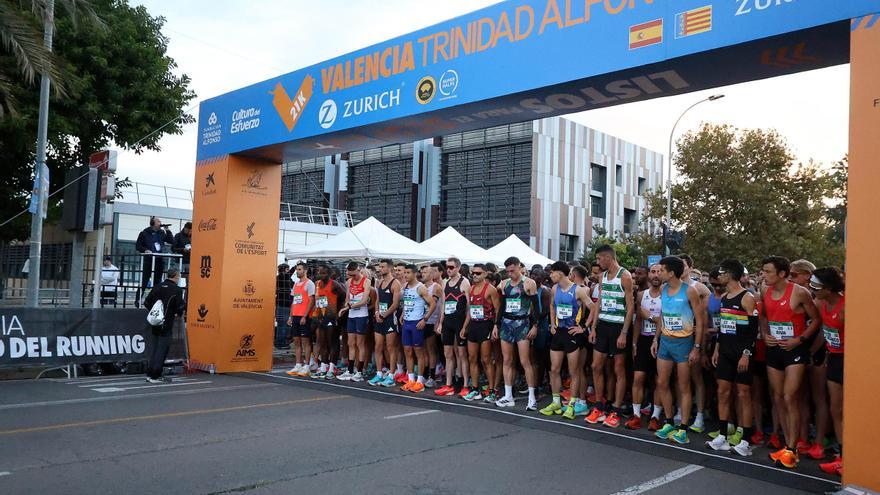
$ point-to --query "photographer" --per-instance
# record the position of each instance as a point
(150, 241)
(183, 245)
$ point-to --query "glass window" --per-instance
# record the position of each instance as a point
(630, 220)
(643, 185)
(597, 206)
(129, 226)
(567, 247)
(618, 175)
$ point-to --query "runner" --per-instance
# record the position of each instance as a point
(732, 358)
(541, 344)
(453, 320)
(693, 277)
(299, 322)
(430, 277)
(568, 338)
(640, 279)
(608, 335)
(786, 307)
(644, 363)
(483, 303)
(356, 305)
(518, 327)
(578, 276)
(400, 374)
(386, 329)
(827, 285)
(328, 294)
(418, 305)
(676, 345)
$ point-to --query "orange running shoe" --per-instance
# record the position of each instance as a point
(464, 392)
(802, 447)
(400, 378)
(417, 387)
(653, 424)
(789, 459)
(406, 386)
(634, 423)
(566, 395)
(444, 391)
(612, 420)
(774, 456)
(595, 416)
(833, 467)
(816, 451)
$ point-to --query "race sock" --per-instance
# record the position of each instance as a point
(683, 426)
(351, 365)
(332, 368)
(399, 368)
(411, 376)
(748, 431)
(670, 421)
(421, 379)
(637, 410)
(323, 368)
(508, 391)
(298, 365)
(657, 411)
(722, 427)
(557, 399)
(699, 419)
(590, 390)
(430, 372)
(531, 394)
(312, 361)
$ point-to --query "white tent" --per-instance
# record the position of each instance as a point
(514, 246)
(370, 239)
(452, 242)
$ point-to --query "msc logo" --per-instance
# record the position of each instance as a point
(245, 346)
(327, 114)
(289, 109)
(425, 90)
(212, 120)
(205, 270)
(203, 312)
(250, 229)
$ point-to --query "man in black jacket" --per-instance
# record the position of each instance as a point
(171, 296)
(183, 245)
(149, 241)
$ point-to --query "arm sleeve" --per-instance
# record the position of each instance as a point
(750, 336)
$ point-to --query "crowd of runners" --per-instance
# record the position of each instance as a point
(665, 347)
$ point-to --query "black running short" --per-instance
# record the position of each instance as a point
(727, 369)
(480, 330)
(644, 361)
(563, 341)
(450, 334)
(387, 326)
(835, 367)
(606, 338)
(779, 359)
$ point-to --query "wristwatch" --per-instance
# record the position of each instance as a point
(747, 353)
(698, 346)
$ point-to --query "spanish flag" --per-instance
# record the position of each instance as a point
(645, 34)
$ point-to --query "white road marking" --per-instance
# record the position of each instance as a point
(121, 389)
(5, 473)
(128, 381)
(662, 480)
(544, 420)
(417, 413)
(105, 398)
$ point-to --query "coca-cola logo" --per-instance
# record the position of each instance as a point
(206, 225)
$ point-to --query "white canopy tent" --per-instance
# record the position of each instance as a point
(514, 246)
(452, 242)
(370, 239)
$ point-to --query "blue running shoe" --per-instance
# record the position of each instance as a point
(665, 431)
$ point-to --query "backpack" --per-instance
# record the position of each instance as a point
(156, 316)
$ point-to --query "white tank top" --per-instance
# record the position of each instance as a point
(654, 307)
(414, 306)
(435, 316)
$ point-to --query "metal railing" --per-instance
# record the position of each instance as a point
(316, 215)
(126, 291)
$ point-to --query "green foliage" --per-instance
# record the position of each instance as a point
(632, 250)
(739, 194)
(122, 86)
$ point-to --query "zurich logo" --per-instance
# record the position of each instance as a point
(448, 83)
(212, 119)
(327, 114)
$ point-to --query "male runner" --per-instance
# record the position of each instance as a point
(518, 327)
(827, 285)
(541, 344)
(356, 301)
(400, 374)
(578, 276)
(431, 279)
(418, 305)
(483, 305)
(608, 335)
(786, 308)
(644, 363)
(328, 293)
(453, 320)
(677, 345)
(693, 277)
(301, 327)
(640, 278)
(386, 329)
(732, 357)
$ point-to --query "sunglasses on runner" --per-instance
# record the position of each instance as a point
(451, 267)
(477, 274)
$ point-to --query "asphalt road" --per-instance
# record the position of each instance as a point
(268, 433)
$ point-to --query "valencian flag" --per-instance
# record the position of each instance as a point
(694, 21)
(645, 34)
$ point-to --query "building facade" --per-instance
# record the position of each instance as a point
(548, 181)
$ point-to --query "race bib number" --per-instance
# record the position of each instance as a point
(449, 307)
(383, 307)
(609, 305)
(356, 298)
(716, 322)
(321, 302)
(649, 328)
(409, 304)
(781, 330)
(673, 323)
(297, 299)
(512, 305)
(832, 336)
(563, 311)
(476, 312)
(728, 327)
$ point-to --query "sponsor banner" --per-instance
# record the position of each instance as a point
(32, 336)
(513, 47)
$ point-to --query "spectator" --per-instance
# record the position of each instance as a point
(171, 296)
(109, 281)
(283, 300)
(183, 245)
(150, 242)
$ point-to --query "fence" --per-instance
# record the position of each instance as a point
(55, 262)
(120, 283)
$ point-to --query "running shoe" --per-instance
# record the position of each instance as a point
(775, 441)
(304, 372)
(472, 395)
(634, 423)
(318, 375)
(377, 379)
(713, 434)
(774, 456)
(388, 382)
(719, 443)
(330, 375)
(612, 420)
(464, 392)
(569, 411)
(647, 410)
(816, 451)
(505, 402)
(429, 383)
(743, 448)
(581, 408)
(680, 436)
(357, 377)
(445, 391)
(802, 447)
(736, 438)
(400, 377)
(757, 438)
(698, 427)
(295, 370)
(552, 408)
(345, 377)
(532, 406)
(595, 416)
(665, 431)
(406, 386)
(492, 397)
(417, 387)
(832, 467)
(654, 424)
(788, 459)
(566, 395)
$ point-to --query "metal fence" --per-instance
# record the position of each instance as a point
(54, 274)
(120, 283)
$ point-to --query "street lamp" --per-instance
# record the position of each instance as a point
(669, 176)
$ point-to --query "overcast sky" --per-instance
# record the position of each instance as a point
(226, 44)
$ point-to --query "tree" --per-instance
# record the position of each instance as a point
(122, 88)
(739, 194)
(632, 249)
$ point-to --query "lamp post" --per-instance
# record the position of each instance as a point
(669, 175)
